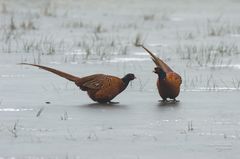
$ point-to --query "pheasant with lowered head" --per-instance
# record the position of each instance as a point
(99, 87)
(168, 82)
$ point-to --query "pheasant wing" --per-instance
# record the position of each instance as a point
(94, 82)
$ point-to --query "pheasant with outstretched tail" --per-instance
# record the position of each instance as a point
(100, 87)
(168, 82)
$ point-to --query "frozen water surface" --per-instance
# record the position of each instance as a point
(43, 116)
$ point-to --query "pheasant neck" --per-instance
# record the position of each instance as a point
(125, 81)
(161, 75)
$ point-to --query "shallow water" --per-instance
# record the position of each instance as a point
(43, 116)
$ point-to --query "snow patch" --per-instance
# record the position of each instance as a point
(14, 109)
(128, 59)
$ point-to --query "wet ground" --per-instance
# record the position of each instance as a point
(45, 116)
(55, 119)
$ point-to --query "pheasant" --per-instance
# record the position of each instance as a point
(168, 82)
(99, 87)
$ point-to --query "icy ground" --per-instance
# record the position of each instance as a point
(45, 116)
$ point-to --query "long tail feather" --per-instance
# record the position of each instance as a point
(57, 72)
(158, 61)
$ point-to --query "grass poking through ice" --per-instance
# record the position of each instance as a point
(14, 130)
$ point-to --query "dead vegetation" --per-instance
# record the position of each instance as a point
(207, 54)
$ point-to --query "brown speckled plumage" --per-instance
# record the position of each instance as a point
(168, 82)
(100, 87)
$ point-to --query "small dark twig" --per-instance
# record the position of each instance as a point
(40, 111)
(14, 129)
